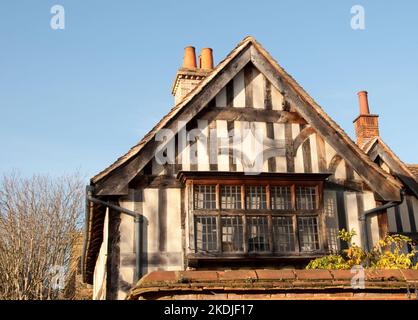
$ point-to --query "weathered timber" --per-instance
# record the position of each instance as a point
(232, 160)
(320, 147)
(248, 78)
(271, 160)
(268, 104)
(395, 166)
(251, 115)
(333, 164)
(290, 153)
(306, 150)
(302, 136)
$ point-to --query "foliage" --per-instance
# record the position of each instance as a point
(388, 253)
(392, 253)
(330, 262)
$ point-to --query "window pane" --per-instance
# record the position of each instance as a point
(306, 198)
(257, 232)
(284, 240)
(308, 233)
(280, 198)
(256, 197)
(204, 197)
(232, 234)
(206, 233)
(231, 197)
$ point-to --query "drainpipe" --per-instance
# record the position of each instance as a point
(138, 219)
(86, 232)
(378, 210)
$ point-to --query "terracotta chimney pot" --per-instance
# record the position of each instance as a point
(364, 104)
(189, 76)
(189, 60)
(206, 59)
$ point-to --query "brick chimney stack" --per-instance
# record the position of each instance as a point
(366, 125)
(188, 76)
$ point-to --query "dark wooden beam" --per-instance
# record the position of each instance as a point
(320, 146)
(248, 79)
(252, 114)
(333, 164)
(302, 136)
(228, 177)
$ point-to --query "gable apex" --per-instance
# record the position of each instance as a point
(114, 179)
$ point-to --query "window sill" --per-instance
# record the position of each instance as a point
(258, 255)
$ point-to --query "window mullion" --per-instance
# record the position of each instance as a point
(293, 196)
(244, 233)
(270, 230)
(296, 233)
(243, 204)
(218, 197)
(192, 196)
(219, 226)
(244, 220)
(268, 197)
(318, 197)
(321, 228)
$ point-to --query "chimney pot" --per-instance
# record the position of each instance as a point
(206, 59)
(189, 76)
(189, 59)
(364, 104)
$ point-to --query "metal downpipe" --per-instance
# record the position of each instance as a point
(378, 210)
(138, 219)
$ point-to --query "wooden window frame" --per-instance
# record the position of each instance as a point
(269, 212)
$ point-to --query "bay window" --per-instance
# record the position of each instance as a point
(249, 216)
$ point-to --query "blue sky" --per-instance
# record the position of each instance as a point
(79, 98)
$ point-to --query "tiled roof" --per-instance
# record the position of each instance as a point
(265, 284)
(414, 169)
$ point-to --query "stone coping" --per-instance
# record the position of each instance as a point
(283, 280)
